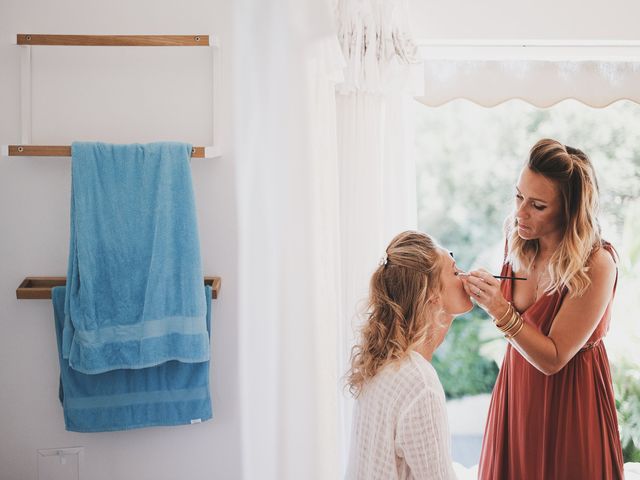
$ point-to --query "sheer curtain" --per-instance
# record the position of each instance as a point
(377, 168)
(324, 180)
(286, 64)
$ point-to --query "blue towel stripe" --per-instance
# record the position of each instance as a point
(147, 329)
(124, 399)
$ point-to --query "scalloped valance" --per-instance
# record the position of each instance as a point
(540, 83)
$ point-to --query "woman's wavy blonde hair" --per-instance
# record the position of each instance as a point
(399, 296)
(574, 177)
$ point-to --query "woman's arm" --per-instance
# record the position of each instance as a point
(571, 328)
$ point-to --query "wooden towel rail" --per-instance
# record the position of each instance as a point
(35, 288)
(114, 40)
(65, 151)
(27, 40)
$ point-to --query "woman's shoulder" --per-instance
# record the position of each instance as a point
(607, 250)
(603, 259)
(601, 269)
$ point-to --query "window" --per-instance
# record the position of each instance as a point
(468, 162)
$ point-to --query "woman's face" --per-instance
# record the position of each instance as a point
(538, 209)
(454, 299)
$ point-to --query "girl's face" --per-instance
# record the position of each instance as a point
(453, 297)
(538, 206)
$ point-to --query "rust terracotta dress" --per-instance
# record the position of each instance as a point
(557, 427)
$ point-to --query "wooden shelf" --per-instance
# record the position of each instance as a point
(37, 288)
(114, 40)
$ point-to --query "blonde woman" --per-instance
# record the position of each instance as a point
(552, 412)
(400, 428)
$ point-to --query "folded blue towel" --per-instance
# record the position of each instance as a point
(173, 393)
(134, 281)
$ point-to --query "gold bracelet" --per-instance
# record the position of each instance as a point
(515, 325)
(497, 322)
(512, 322)
(520, 327)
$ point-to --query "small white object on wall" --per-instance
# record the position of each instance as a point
(60, 463)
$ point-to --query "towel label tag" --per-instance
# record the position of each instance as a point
(196, 420)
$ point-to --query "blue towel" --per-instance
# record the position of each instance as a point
(134, 281)
(173, 393)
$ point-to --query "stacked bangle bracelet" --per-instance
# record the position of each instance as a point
(513, 325)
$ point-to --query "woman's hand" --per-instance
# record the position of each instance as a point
(485, 290)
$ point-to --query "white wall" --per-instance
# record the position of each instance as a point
(34, 211)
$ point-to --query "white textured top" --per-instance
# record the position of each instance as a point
(400, 428)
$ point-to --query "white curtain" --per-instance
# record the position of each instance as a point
(325, 69)
(377, 167)
(286, 63)
(324, 180)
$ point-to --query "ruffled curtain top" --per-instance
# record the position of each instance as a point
(377, 45)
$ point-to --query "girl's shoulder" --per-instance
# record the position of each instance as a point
(408, 376)
(427, 372)
(402, 384)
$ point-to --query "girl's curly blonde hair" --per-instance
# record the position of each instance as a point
(397, 315)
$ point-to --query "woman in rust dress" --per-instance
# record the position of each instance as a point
(552, 414)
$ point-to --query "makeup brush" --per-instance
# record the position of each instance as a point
(463, 274)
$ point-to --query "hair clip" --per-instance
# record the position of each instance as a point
(383, 260)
